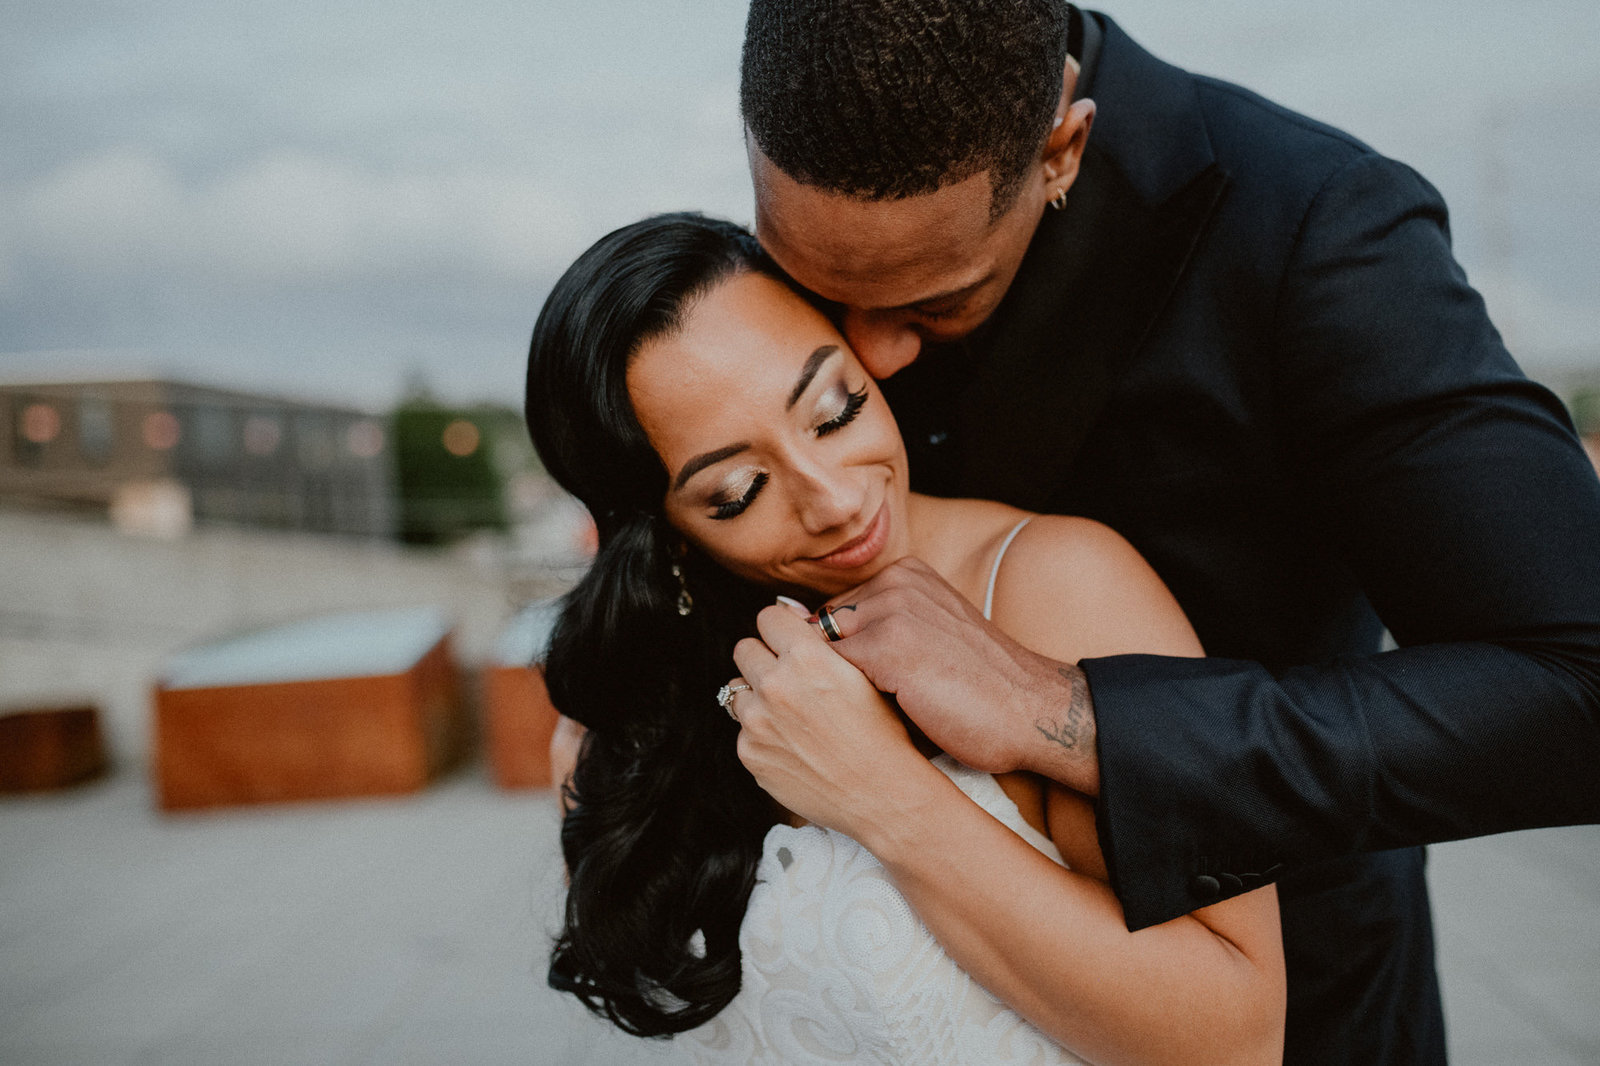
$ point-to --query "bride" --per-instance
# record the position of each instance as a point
(731, 449)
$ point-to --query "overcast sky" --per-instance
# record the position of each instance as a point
(329, 199)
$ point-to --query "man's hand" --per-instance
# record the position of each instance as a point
(975, 692)
(815, 733)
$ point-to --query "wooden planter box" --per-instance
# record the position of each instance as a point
(518, 717)
(43, 748)
(349, 705)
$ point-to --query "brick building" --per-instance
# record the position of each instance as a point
(159, 455)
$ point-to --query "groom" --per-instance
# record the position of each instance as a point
(1099, 285)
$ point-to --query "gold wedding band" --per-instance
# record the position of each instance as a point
(829, 624)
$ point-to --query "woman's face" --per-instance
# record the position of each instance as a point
(783, 462)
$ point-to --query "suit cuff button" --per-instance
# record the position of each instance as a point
(1204, 887)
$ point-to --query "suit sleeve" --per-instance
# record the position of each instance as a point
(1459, 496)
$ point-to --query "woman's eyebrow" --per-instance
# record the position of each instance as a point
(813, 364)
(705, 459)
(808, 372)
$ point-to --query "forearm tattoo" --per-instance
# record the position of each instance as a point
(1076, 727)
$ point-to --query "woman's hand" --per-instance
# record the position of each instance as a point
(815, 733)
(977, 693)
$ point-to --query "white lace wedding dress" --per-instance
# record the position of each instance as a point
(838, 969)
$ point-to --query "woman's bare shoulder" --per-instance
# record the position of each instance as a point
(983, 520)
(1074, 588)
(965, 534)
(1068, 550)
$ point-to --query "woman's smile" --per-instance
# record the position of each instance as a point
(862, 548)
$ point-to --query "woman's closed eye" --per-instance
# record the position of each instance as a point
(853, 402)
(733, 501)
(724, 508)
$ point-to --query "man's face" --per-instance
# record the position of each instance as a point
(926, 268)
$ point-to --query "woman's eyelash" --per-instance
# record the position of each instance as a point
(852, 407)
(734, 508)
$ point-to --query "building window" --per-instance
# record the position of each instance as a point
(96, 430)
(314, 441)
(161, 431)
(213, 435)
(364, 439)
(37, 425)
(262, 435)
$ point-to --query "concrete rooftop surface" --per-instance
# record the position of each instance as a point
(414, 931)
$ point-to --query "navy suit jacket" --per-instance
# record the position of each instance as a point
(1246, 346)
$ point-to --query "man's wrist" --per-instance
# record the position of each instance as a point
(1063, 745)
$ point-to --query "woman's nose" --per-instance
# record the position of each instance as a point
(828, 499)
(884, 342)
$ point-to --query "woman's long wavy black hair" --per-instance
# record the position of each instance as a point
(665, 825)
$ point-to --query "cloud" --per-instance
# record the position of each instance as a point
(284, 216)
(96, 213)
(310, 196)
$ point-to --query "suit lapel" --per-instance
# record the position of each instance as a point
(1095, 279)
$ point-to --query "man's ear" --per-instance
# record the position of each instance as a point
(1063, 149)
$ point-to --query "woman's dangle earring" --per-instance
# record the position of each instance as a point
(685, 601)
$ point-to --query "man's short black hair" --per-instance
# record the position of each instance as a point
(884, 99)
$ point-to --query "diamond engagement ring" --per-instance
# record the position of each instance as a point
(725, 696)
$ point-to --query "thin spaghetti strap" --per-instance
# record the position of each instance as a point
(988, 597)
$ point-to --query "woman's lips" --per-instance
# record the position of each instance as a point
(864, 548)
